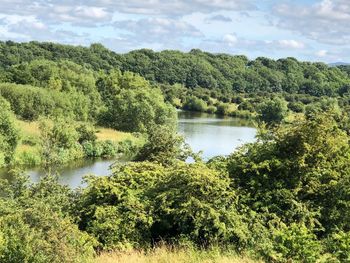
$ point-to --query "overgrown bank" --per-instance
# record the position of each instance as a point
(280, 199)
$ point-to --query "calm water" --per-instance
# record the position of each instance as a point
(214, 135)
(203, 132)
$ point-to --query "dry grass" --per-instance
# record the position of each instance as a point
(165, 255)
(32, 129)
(29, 128)
(104, 134)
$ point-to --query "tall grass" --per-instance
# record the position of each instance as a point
(172, 255)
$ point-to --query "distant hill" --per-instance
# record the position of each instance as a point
(335, 64)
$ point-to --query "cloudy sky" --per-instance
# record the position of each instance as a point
(316, 30)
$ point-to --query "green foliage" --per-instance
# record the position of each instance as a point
(142, 202)
(338, 245)
(30, 103)
(195, 104)
(293, 173)
(35, 226)
(193, 69)
(284, 198)
(295, 243)
(9, 135)
(106, 149)
(87, 133)
(163, 146)
(273, 111)
(132, 104)
(223, 109)
(296, 107)
(59, 141)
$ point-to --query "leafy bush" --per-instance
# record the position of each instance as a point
(142, 202)
(338, 245)
(9, 135)
(133, 105)
(195, 104)
(273, 111)
(35, 226)
(295, 243)
(87, 133)
(163, 146)
(296, 107)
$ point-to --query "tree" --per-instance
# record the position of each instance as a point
(133, 105)
(59, 141)
(273, 111)
(163, 146)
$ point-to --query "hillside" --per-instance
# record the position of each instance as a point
(193, 69)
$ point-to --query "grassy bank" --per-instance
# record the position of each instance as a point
(28, 151)
(169, 255)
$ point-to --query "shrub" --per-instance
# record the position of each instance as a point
(338, 244)
(295, 243)
(273, 111)
(87, 133)
(296, 107)
(142, 202)
(211, 109)
(35, 225)
(195, 104)
(163, 146)
(223, 109)
(9, 135)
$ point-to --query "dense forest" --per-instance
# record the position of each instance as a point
(283, 198)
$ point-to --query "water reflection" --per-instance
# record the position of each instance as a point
(215, 135)
(73, 173)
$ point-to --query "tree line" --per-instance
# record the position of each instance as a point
(193, 69)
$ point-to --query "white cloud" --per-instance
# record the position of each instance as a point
(152, 30)
(230, 39)
(290, 44)
(326, 21)
(322, 53)
(176, 8)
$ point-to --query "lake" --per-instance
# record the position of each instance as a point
(214, 135)
(211, 134)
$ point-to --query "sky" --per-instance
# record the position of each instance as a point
(313, 30)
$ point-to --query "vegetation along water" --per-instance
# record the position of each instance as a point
(272, 183)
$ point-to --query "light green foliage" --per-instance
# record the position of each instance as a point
(295, 243)
(35, 226)
(273, 111)
(295, 172)
(195, 104)
(87, 133)
(30, 103)
(223, 109)
(59, 141)
(132, 104)
(338, 245)
(9, 135)
(145, 201)
(297, 107)
(163, 146)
